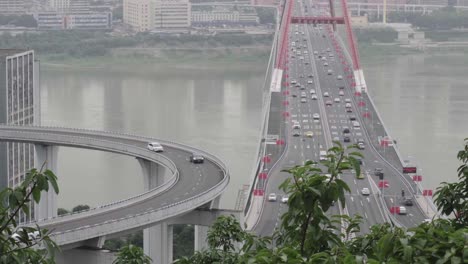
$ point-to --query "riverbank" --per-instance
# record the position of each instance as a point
(173, 58)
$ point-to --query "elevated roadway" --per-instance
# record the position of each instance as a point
(187, 186)
(311, 74)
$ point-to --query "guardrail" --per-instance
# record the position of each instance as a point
(120, 148)
(264, 129)
(106, 146)
(141, 220)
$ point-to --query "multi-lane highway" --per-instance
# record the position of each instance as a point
(319, 87)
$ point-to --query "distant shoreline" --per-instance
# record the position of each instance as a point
(174, 58)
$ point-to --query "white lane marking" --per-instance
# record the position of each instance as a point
(365, 214)
(368, 200)
(362, 203)
(308, 146)
(295, 146)
(391, 200)
(355, 181)
(352, 199)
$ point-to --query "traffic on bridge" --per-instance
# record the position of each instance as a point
(324, 101)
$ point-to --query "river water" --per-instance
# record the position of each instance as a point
(423, 100)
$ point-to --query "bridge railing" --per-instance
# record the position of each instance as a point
(141, 220)
(137, 152)
(266, 100)
(109, 146)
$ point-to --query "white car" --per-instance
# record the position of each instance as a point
(313, 97)
(155, 146)
(337, 100)
(310, 82)
(272, 197)
(341, 93)
(325, 64)
(284, 199)
(339, 77)
(347, 100)
(312, 91)
(316, 116)
(365, 191)
(326, 94)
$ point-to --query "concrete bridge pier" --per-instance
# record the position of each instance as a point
(157, 243)
(157, 240)
(201, 234)
(153, 174)
(46, 158)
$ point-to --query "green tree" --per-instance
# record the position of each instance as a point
(452, 198)
(183, 240)
(131, 254)
(308, 235)
(62, 211)
(117, 13)
(80, 208)
(25, 244)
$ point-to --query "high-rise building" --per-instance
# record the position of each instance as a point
(19, 105)
(147, 15)
(8, 7)
(136, 13)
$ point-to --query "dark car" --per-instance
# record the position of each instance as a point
(352, 118)
(346, 139)
(408, 202)
(346, 131)
(197, 158)
(378, 172)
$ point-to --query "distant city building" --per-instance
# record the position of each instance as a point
(171, 14)
(86, 20)
(69, 6)
(148, 15)
(401, 2)
(8, 7)
(265, 2)
(215, 16)
(224, 16)
(19, 105)
(137, 14)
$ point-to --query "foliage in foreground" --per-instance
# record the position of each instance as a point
(308, 235)
(131, 254)
(19, 244)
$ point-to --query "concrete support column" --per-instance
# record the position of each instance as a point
(201, 235)
(157, 240)
(153, 174)
(158, 243)
(46, 158)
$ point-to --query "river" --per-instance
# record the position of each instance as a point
(422, 98)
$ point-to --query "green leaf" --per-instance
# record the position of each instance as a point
(36, 192)
(52, 180)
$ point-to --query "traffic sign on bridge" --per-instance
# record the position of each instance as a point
(427, 192)
(395, 209)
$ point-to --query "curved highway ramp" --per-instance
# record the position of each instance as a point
(188, 186)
